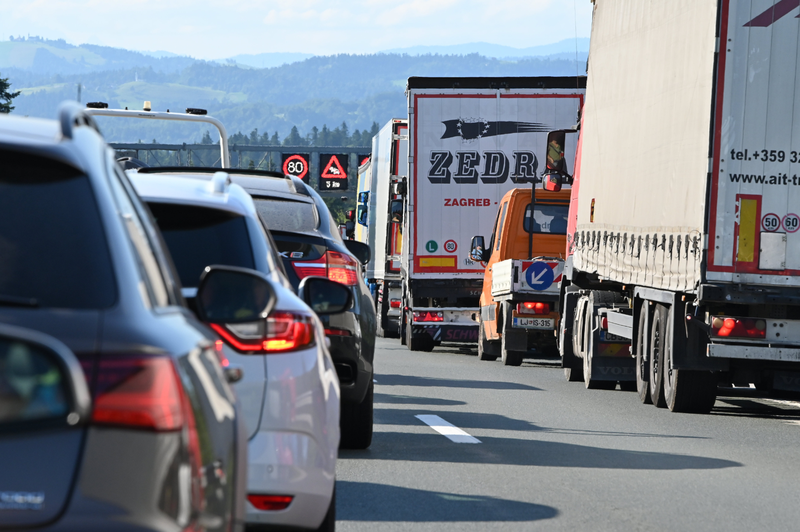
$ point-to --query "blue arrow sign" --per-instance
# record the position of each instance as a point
(539, 276)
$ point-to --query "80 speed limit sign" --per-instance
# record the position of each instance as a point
(296, 164)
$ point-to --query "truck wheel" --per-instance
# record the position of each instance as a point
(573, 367)
(658, 345)
(412, 343)
(688, 390)
(588, 343)
(356, 422)
(642, 367)
(485, 351)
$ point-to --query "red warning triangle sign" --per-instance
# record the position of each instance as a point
(334, 169)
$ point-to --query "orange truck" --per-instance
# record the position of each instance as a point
(519, 301)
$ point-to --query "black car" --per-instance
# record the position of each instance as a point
(310, 244)
(153, 439)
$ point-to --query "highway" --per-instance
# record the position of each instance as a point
(526, 450)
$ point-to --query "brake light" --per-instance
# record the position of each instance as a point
(143, 392)
(728, 327)
(533, 307)
(270, 503)
(337, 332)
(336, 266)
(604, 323)
(284, 332)
(395, 303)
(426, 315)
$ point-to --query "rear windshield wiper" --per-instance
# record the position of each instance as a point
(14, 301)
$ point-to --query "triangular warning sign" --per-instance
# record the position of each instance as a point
(334, 169)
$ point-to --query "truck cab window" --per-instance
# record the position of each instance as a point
(500, 226)
(547, 219)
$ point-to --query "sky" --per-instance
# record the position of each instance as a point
(214, 29)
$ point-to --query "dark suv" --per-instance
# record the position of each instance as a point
(310, 244)
(162, 444)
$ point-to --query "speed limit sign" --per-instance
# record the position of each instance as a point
(296, 164)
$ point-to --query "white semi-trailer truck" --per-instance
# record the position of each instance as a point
(683, 231)
(470, 140)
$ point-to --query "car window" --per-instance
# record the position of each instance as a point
(281, 215)
(500, 226)
(200, 236)
(53, 250)
(547, 218)
(149, 268)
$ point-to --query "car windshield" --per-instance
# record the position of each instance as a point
(291, 216)
(199, 236)
(547, 218)
(53, 251)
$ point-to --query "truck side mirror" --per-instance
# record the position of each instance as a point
(397, 211)
(556, 162)
(552, 182)
(350, 215)
(477, 249)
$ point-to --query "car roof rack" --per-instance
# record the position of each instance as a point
(295, 184)
(192, 115)
(71, 114)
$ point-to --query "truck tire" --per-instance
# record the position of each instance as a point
(642, 366)
(588, 382)
(485, 349)
(356, 422)
(573, 368)
(688, 390)
(413, 344)
(658, 346)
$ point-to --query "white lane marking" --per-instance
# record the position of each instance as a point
(447, 430)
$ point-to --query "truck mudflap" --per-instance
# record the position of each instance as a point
(448, 332)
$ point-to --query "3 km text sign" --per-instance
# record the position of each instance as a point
(333, 172)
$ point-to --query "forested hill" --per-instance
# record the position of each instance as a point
(321, 90)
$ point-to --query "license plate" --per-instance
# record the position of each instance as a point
(533, 323)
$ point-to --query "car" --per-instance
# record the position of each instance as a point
(151, 437)
(310, 243)
(290, 392)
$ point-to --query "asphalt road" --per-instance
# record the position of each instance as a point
(555, 456)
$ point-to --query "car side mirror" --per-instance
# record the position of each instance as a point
(361, 250)
(42, 382)
(397, 211)
(324, 296)
(227, 294)
(477, 249)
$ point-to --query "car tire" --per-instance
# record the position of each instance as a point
(329, 523)
(357, 422)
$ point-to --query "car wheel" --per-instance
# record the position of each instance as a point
(329, 523)
(357, 422)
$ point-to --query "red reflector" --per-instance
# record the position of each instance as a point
(604, 323)
(428, 316)
(139, 392)
(338, 332)
(342, 268)
(270, 503)
(395, 303)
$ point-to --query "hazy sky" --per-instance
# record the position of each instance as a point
(211, 29)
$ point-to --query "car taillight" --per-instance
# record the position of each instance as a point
(142, 392)
(395, 303)
(333, 331)
(307, 268)
(270, 503)
(728, 327)
(342, 268)
(336, 266)
(426, 315)
(284, 332)
(533, 307)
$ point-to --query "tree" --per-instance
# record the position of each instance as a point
(206, 138)
(6, 96)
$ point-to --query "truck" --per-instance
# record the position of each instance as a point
(379, 182)
(682, 240)
(470, 140)
(524, 264)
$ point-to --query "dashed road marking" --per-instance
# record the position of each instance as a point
(447, 430)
